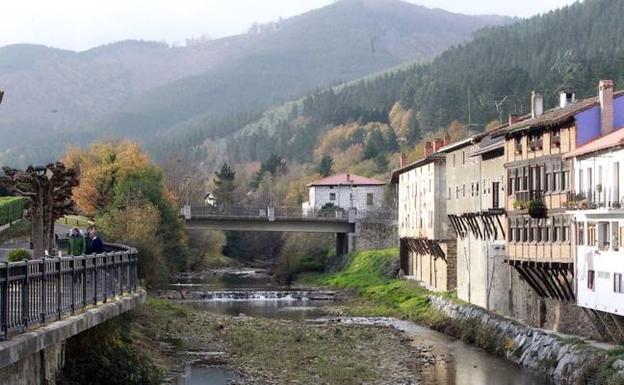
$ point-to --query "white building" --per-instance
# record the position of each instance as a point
(598, 223)
(428, 251)
(345, 191)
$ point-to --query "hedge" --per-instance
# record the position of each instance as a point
(11, 209)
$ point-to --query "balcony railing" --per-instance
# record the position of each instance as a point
(596, 199)
(41, 290)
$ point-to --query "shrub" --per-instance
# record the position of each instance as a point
(11, 209)
(17, 255)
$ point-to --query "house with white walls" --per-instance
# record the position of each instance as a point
(596, 207)
(346, 191)
(427, 249)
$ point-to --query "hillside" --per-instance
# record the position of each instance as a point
(501, 65)
(143, 88)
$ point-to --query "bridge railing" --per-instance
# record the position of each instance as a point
(270, 213)
(41, 290)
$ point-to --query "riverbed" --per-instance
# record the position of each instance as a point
(442, 360)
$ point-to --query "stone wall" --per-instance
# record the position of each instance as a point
(567, 360)
(375, 234)
(550, 314)
(37, 368)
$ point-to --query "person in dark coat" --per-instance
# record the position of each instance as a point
(96, 245)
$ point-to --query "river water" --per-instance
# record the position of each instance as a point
(238, 293)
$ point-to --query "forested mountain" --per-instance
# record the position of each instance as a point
(570, 48)
(142, 89)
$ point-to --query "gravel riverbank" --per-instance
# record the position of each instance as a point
(284, 352)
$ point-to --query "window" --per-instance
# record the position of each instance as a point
(591, 234)
(518, 145)
(591, 280)
(453, 160)
(617, 283)
(555, 139)
(449, 193)
(580, 233)
(463, 157)
(463, 191)
(332, 196)
(369, 199)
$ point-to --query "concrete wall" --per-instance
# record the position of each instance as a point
(35, 357)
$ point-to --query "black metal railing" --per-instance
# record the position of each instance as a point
(35, 292)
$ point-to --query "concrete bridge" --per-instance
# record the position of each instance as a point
(45, 302)
(340, 222)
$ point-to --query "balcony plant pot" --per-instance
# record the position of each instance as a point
(537, 209)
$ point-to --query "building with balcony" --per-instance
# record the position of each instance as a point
(539, 184)
(426, 247)
(475, 207)
(346, 191)
(598, 223)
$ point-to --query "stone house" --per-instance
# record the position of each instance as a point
(346, 191)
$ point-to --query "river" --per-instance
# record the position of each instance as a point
(244, 292)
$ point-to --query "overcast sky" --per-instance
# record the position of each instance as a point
(82, 24)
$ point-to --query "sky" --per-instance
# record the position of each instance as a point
(83, 24)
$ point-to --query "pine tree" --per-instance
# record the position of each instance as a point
(325, 166)
(224, 185)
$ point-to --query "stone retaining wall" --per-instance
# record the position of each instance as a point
(567, 360)
(35, 357)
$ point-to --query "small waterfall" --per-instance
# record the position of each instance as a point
(258, 295)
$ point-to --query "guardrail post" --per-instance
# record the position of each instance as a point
(84, 282)
(59, 293)
(5, 302)
(43, 291)
(95, 285)
(73, 285)
(25, 298)
(105, 274)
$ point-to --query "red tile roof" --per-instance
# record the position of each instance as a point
(347, 179)
(614, 139)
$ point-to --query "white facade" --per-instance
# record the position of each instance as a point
(599, 231)
(362, 198)
(422, 203)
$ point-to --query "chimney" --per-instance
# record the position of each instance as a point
(348, 177)
(513, 119)
(428, 148)
(438, 144)
(403, 159)
(447, 139)
(605, 95)
(566, 98)
(537, 104)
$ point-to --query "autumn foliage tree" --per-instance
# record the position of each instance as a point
(127, 195)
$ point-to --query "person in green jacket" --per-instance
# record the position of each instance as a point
(76, 244)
